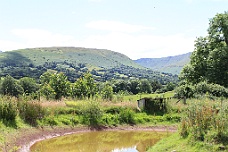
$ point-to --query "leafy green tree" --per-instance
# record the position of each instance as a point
(121, 86)
(79, 89)
(91, 86)
(60, 85)
(155, 85)
(210, 59)
(145, 86)
(107, 92)
(135, 86)
(29, 85)
(84, 87)
(47, 91)
(45, 78)
(55, 85)
(10, 86)
(169, 86)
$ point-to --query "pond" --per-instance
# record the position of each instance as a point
(101, 141)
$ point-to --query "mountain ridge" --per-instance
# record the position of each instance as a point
(170, 64)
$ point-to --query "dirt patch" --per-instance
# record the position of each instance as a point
(27, 137)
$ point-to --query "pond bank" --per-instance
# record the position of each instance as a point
(27, 137)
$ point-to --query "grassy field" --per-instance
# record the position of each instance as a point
(74, 113)
(139, 96)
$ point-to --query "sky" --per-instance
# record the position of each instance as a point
(136, 28)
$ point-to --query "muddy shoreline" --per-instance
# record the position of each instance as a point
(27, 137)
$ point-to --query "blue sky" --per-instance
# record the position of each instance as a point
(136, 28)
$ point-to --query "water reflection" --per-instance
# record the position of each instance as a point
(101, 141)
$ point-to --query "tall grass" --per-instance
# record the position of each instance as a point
(31, 112)
(8, 111)
(206, 121)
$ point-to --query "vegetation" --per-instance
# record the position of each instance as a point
(203, 128)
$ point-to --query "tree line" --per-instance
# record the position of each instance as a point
(53, 85)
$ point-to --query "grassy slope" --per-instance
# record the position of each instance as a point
(175, 143)
(172, 64)
(94, 57)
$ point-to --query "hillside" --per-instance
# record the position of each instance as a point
(103, 64)
(171, 64)
(90, 57)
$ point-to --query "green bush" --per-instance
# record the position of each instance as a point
(185, 91)
(8, 111)
(127, 116)
(91, 113)
(141, 118)
(211, 89)
(30, 112)
(49, 121)
(202, 88)
(110, 119)
(113, 110)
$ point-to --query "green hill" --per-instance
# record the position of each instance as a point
(103, 64)
(171, 64)
(90, 57)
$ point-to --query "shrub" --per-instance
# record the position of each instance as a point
(127, 116)
(91, 113)
(113, 110)
(184, 91)
(206, 122)
(211, 89)
(8, 111)
(30, 112)
(110, 119)
(10, 86)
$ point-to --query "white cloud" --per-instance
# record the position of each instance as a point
(116, 26)
(6, 45)
(42, 38)
(134, 46)
(143, 46)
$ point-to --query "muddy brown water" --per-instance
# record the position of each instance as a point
(101, 141)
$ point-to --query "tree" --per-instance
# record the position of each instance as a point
(121, 85)
(135, 86)
(79, 88)
(29, 85)
(210, 59)
(107, 92)
(55, 85)
(60, 85)
(10, 86)
(155, 85)
(90, 85)
(145, 86)
(84, 87)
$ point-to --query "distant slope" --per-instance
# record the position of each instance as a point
(73, 62)
(91, 57)
(171, 64)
